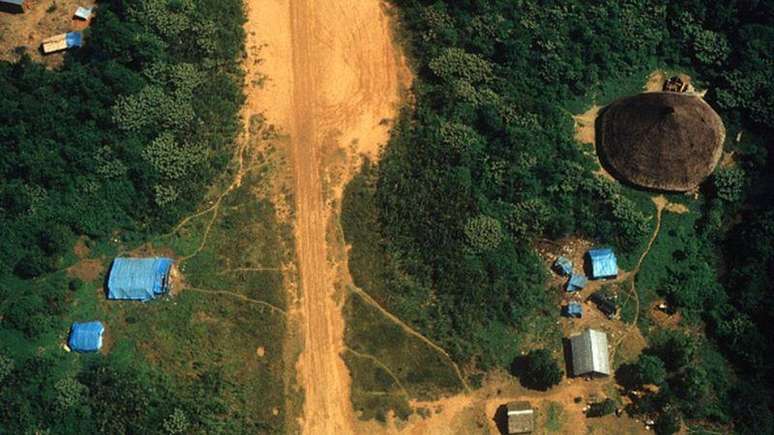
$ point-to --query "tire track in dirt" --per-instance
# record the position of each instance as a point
(331, 74)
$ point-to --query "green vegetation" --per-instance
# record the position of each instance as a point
(601, 409)
(538, 370)
(389, 365)
(485, 162)
(115, 147)
(555, 417)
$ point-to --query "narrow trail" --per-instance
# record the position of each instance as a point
(271, 307)
(370, 301)
(331, 77)
(381, 365)
(661, 203)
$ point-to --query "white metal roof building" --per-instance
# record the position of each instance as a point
(520, 417)
(589, 353)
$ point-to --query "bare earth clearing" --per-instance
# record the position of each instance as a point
(331, 77)
(45, 18)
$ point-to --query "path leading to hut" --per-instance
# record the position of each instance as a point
(330, 76)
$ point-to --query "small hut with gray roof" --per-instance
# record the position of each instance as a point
(520, 417)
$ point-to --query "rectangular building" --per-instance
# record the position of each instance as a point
(589, 354)
(521, 417)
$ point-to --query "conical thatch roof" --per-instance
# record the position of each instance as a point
(661, 140)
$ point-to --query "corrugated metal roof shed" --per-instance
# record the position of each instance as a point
(520, 417)
(13, 2)
(86, 337)
(589, 353)
(604, 264)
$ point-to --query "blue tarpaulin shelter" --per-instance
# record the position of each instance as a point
(563, 265)
(576, 283)
(574, 309)
(86, 337)
(74, 39)
(138, 279)
(603, 263)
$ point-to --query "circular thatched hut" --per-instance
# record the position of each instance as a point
(661, 140)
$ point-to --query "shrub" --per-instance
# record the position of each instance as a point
(540, 371)
(601, 409)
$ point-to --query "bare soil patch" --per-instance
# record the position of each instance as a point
(655, 82)
(87, 270)
(331, 76)
(585, 132)
(80, 249)
(44, 18)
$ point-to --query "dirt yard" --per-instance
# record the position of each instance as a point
(331, 76)
(44, 18)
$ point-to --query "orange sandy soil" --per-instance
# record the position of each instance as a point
(29, 29)
(332, 75)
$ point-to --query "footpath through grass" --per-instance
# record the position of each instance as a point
(228, 324)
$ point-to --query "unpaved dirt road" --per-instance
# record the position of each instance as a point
(332, 75)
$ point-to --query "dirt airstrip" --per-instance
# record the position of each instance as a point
(331, 75)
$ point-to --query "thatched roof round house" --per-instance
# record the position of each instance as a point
(661, 140)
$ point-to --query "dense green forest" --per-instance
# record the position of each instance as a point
(484, 163)
(118, 142)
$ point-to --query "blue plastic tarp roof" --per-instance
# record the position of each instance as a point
(575, 309)
(576, 283)
(86, 337)
(139, 279)
(563, 265)
(74, 39)
(603, 263)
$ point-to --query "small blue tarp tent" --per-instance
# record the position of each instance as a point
(86, 337)
(603, 263)
(576, 283)
(139, 279)
(74, 39)
(563, 266)
(574, 309)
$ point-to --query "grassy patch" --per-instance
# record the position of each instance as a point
(389, 365)
(554, 417)
(654, 269)
(380, 344)
(216, 336)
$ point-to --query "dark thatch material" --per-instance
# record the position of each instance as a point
(661, 140)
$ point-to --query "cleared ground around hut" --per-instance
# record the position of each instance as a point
(331, 77)
(44, 18)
